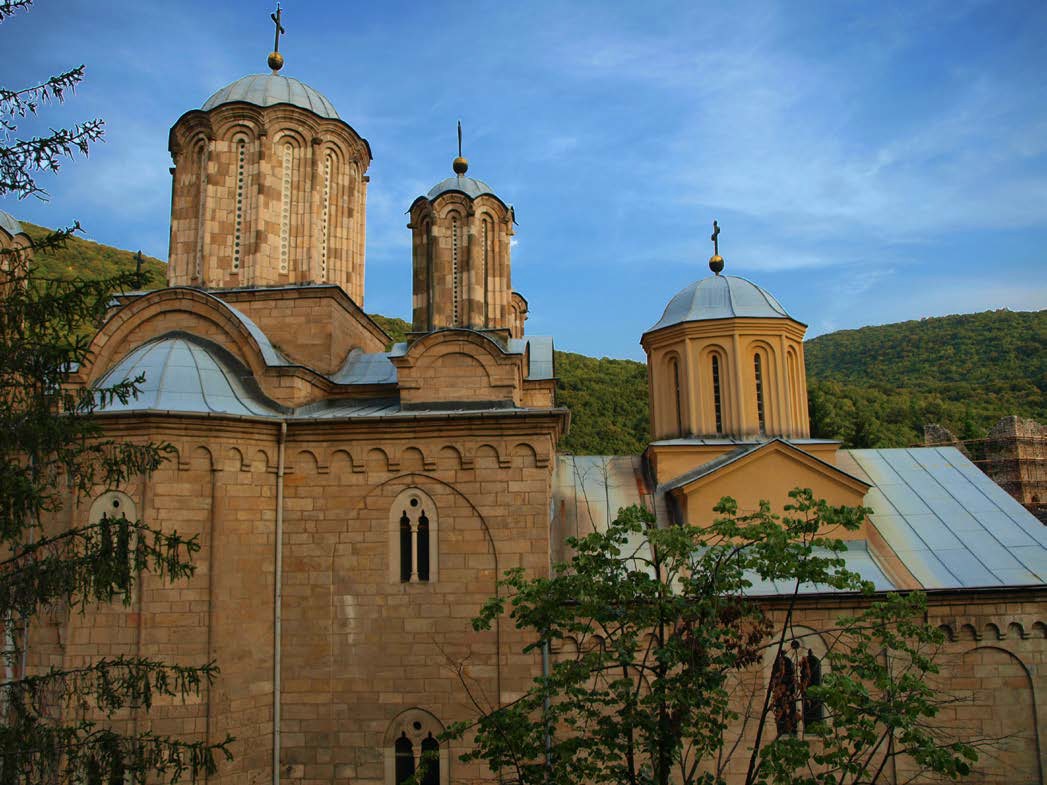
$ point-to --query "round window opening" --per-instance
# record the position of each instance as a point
(416, 725)
(116, 504)
(414, 502)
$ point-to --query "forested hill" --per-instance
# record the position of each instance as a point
(873, 387)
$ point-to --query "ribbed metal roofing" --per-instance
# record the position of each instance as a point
(183, 374)
(9, 224)
(270, 90)
(466, 185)
(950, 524)
(720, 297)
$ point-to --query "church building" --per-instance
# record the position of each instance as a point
(357, 500)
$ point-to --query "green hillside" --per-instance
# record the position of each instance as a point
(873, 387)
(91, 260)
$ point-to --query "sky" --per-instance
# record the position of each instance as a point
(868, 162)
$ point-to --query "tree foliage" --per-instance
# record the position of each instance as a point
(61, 724)
(662, 682)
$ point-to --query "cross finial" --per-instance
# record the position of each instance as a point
(276, 60)
(716, 261)
(279, 27)
(460, 165)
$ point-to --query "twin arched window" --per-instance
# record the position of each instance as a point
(412, 747)
(413, 537)
(792, 675)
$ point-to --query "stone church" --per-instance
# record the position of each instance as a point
(356, 500)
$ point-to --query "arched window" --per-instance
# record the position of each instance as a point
(404, 751)
(413, 748)
(717, 403)
(413, 537)
(674, 378)
(760, 414)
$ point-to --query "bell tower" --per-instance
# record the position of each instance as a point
(461, 232)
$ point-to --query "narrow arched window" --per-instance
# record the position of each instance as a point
(675, 369)
(201, 213)
(783, 695)
(285, 208)
(760, 414)
(423, 547)
(430, 761)
(717, 407)
(485, 261)
(404, 751)
(238, 221)
(456, 281)
(325, 215)
(811, 676)
(405, 548)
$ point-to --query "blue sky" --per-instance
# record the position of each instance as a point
(867, 162)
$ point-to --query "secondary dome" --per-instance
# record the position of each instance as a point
(720, 297)
(185, 374)
(466, 185)
(270, 90)
(10, 225)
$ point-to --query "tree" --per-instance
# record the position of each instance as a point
(60, 724)
(662, 681)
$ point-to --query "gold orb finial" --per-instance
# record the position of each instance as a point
(276, 61)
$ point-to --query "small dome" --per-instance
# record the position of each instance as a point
(720, 297)
(10, 225)
(462, 184)
(186, 374)
(270, 90)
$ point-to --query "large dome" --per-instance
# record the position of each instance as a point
(720, 297)
(270, 90)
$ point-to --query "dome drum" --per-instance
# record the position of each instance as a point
(726, 361)
(267, 192)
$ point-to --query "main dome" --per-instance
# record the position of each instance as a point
(270, 90)
(720, 297)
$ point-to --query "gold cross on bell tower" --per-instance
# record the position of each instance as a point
(276, 60)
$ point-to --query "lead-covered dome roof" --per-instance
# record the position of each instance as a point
(270, 90)
(720, 297)
(10, 225)
(469, 186)
(184, 373)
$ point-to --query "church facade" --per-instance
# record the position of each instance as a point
(356, 501)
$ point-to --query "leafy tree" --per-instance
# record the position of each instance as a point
(58, 724)
(666, 684)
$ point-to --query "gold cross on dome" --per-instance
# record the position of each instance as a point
(715, 239)
(279, 27)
